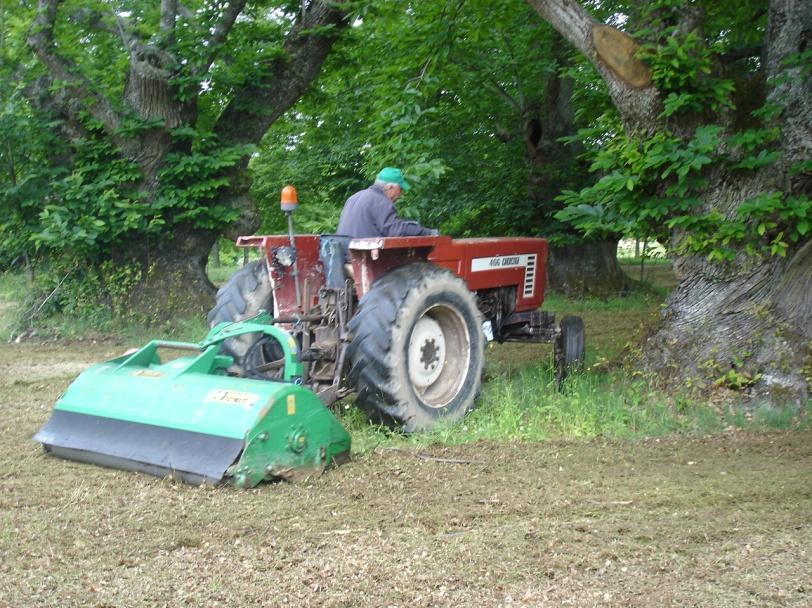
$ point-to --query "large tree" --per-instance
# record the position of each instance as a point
(728, 186)
(174, 94)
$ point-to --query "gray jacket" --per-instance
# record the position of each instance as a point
(370, 213)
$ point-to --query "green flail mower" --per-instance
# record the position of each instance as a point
(186, 418)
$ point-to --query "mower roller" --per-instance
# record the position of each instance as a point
(185, 418)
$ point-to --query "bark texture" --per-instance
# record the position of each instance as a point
(744, 325)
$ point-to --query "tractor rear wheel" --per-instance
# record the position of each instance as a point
(417, 350)
(245, 294)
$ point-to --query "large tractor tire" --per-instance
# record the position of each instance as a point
(417, 350)
(246, 293)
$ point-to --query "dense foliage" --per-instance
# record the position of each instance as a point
(116, 117)
(443, 89)
(713, 118)
(449, 90)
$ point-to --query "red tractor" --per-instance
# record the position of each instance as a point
(402, 322)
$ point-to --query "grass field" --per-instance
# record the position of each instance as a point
(679, 520)
(609, 493)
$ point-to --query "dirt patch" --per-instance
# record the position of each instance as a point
(722, 521)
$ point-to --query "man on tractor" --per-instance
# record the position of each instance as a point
(371, 212)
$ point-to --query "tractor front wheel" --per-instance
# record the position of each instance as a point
(570, 347)
(417, 350)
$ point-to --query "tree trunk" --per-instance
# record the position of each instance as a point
(172, 282)
(745, 325)
(589, 268)
(748, 325)
(214, 255)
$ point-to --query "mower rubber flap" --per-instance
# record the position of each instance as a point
(187, 419)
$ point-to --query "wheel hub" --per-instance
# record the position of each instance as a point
(426, 353)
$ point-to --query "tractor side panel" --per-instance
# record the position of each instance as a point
(499, 262)
(484, 263)
(308, 264)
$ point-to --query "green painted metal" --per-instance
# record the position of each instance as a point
(261, 323)
(287, 431)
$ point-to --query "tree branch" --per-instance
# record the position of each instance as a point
(221, 31)
(187, 14)
(255, 106)
(570, 20)
(169, 9)
(115, 24)
(92, 19)
(57, 103)
(500, 90)
(612, 53)
(448, 39)
(41, 42)
(129, 39)
(743, 52)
